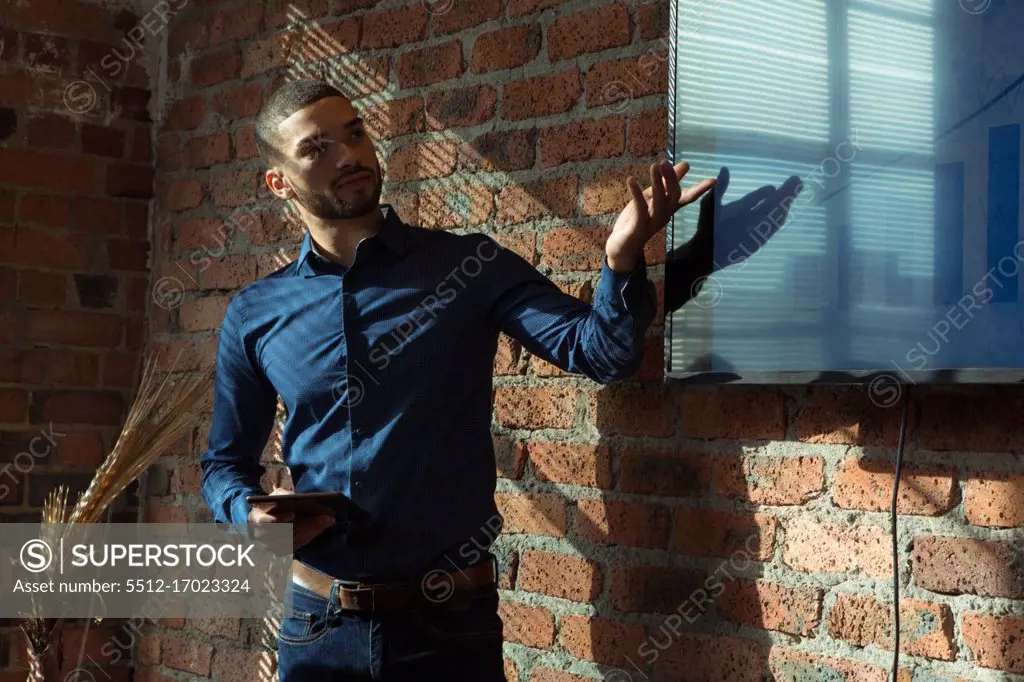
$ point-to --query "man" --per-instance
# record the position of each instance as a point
(380, 340)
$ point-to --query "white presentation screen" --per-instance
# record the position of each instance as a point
(902, 121)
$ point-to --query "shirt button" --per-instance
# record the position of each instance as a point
(357, 432)
(359, 484)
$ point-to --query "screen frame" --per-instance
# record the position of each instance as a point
(895, 374)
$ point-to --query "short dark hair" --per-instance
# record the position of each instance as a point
(285, 101)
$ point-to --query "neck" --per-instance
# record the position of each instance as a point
(336, 240)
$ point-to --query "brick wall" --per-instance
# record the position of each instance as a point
(76, 177)
(716, 534)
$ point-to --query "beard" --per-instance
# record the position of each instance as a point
(342, 201)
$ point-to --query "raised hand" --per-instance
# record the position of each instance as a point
(649, 212)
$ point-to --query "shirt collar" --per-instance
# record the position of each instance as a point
(392, 235)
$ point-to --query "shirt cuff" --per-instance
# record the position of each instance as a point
(630, 292)
(240, 507)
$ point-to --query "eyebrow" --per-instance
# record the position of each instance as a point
(358, 120)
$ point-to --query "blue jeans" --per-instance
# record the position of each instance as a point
(323, 643)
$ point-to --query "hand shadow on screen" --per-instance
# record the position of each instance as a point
(727, 235)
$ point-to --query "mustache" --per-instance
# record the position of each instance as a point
(346, 176)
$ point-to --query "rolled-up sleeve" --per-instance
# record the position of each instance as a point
(243, 417)
(603, 341)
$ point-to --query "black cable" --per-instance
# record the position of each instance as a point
(895, 538)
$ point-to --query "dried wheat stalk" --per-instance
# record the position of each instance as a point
(163, 408)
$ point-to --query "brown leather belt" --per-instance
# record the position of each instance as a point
(438, 588)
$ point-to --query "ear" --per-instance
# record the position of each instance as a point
(278, 184)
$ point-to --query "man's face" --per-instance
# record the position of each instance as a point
(330, 162)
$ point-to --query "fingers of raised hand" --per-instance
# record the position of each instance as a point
(639, 200)
(658, 182)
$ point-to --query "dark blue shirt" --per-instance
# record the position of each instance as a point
(385, 369)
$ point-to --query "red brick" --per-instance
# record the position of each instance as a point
(185, 480)
(71, 369)
(703, 657)
(216, 67)
(727, 413)
(534, 513)
(45, 249)
(536, 407)
(45, 209)
(191, 35)
(648, 133)
(510, 457)
(769, 606)
(103, 141)
(23, 366)
(186, 655)
(608, 192)
(743, 537)
(462, 205)
(127, 255)
(519, 8)
(460, 16)
(616, 82)
(845, 416)
(949, 565)
(867, 484)
(505, 150)
(48, 170)
(394, 27)
(589, 30)
(394, 118)
(995, 641)
(538, 199)
(278, 13)
(95, 639)
(572, 463)
(239, 102)
(600, 639)
(8, 285)
(208, 150)
(78, 407)
(664, 472)
(790, 665)
(80, 450)
(236, 22)
(531, 626)
(582, 141)
(926, 629)
(653, 589)
(168, 155)
(970, 421)
(771, 480)
(268, 53)
(506, 48)
(653, 21)
(119, 368)
(231, 189)
(13, 405)
(186, 114)
(51, 131)
(245, 143)
(179, 195)
(544, 95)
(343, 34)
(422, 160)
(624, 523)
(230, 272)
(813, 547)
(558, 575)
(632, 410)
(74, 329)
(430, 65)
(994, 499)
(524, 244)
(203, 313)
(7, 200)
(238, 665)
(124, 180)
(98, 214)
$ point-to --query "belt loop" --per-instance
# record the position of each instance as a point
(332, 601)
